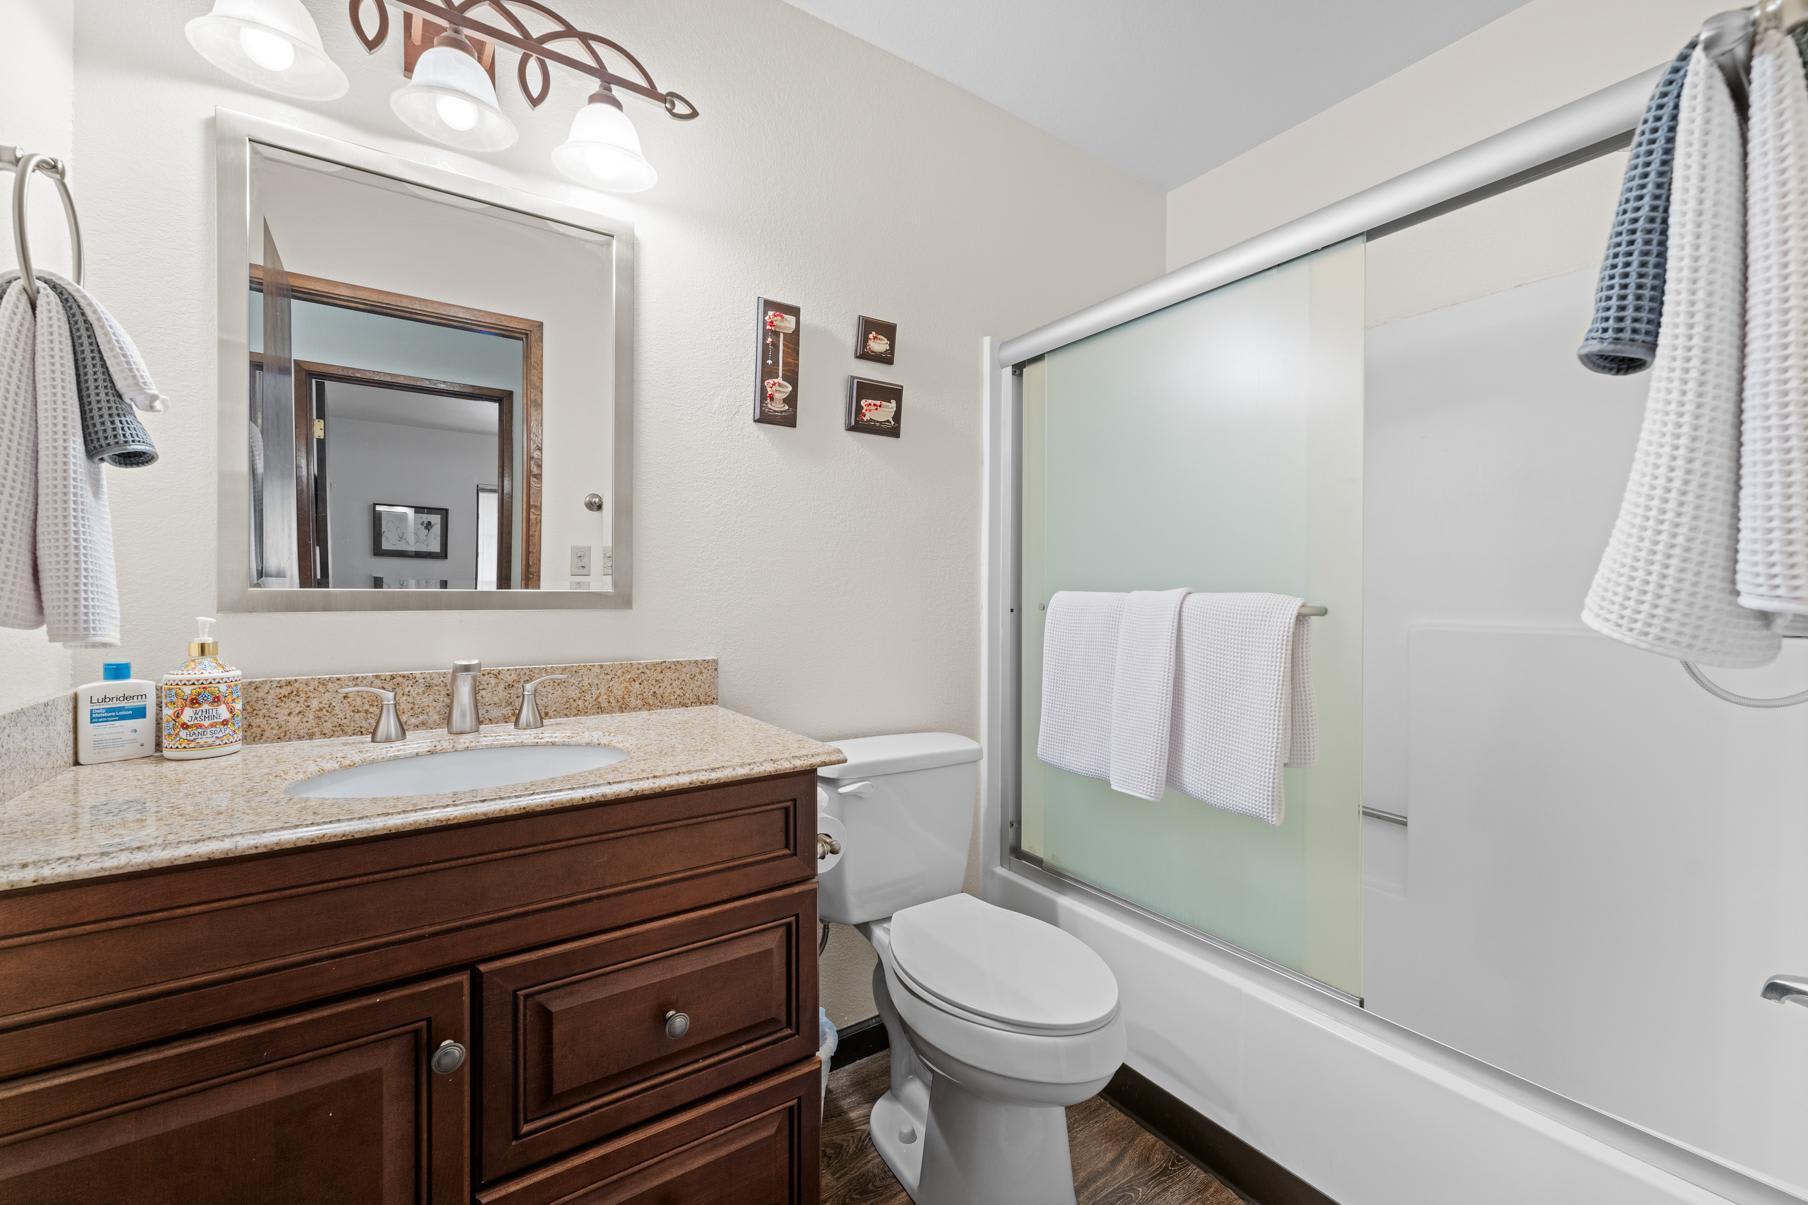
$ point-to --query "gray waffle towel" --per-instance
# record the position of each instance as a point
(1629, 299)
(111, 431)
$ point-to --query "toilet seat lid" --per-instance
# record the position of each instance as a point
(1010, 969)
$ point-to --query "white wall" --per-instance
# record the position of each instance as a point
(1539, 56)
(37, 113)
(835, 575)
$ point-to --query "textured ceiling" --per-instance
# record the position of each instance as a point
(1162, 89)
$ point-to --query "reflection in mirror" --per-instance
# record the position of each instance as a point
(430, 393)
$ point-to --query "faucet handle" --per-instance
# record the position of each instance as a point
(529, 715)
(389, 725)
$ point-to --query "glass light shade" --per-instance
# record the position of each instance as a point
(271, 44)
(603, 150)
(452, 101)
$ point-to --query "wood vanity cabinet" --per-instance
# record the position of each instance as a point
(614, 1002)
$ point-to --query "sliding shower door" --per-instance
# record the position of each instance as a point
(1215, 445)
(1601, 863)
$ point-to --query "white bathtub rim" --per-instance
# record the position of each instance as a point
(1618, 1144)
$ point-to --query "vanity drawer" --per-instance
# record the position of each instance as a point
(585, 1039)
(753, 1146)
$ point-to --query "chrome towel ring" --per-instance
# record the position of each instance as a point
(24, 164)
(1731, 696)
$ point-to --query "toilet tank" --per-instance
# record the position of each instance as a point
(905, 805)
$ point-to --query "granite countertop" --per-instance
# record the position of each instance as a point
(149, 813)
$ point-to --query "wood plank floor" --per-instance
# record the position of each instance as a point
(1116, 1161)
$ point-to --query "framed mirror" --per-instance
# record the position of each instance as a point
(426, 389)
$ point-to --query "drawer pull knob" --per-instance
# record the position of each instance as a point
(448, 1058)
(677, 1024)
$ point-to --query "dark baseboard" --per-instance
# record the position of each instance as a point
(859, 1040)
(1209, 1144)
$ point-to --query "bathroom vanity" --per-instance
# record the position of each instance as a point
(599, 987)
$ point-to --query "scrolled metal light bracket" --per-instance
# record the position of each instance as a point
(539, 33)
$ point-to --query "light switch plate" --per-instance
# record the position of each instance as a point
(608, 566)
(580, 560)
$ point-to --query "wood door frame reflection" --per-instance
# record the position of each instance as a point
(529, 332)
(308, 507)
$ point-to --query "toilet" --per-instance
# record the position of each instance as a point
(997, 1021)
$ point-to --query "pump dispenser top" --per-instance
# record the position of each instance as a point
(204, 645)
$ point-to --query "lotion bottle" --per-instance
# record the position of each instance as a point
(203, 702)
(115, 718)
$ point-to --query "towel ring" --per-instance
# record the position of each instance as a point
(1721, 692)
(24, 164)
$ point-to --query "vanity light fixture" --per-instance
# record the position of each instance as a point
(603, 148)
(273, 44)
(451, 98)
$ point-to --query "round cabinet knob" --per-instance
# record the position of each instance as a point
(677, 1024)
(448, 1058)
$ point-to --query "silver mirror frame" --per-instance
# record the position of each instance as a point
(235, 133)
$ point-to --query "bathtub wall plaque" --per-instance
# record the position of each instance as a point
(775, 385)
(875, 407)
(875, 340)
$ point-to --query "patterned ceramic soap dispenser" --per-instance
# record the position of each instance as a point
(202, 702)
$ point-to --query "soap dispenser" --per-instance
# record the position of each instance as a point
(202, 701)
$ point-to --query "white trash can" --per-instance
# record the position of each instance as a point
(827, 1039)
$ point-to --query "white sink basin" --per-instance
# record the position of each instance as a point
(456, 770)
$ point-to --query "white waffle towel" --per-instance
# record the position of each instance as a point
(76, 577)
(1773, 456)
(56, 535)
(1665, 582)
(21, 605)
(1243, 705)
(1142, 696)
(1079, 663)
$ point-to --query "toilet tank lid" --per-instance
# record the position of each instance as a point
(869, 756)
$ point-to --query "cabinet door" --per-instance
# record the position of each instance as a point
(324, 1107)
(755, 1145)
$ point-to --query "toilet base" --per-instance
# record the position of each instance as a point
(896, 1130)
(969, 1149)
(949, 1146)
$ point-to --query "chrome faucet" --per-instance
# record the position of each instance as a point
(389, 725)
(529, 715)
(1787, 989)
(464, 697)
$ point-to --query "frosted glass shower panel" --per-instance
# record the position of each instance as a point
(1215, 445)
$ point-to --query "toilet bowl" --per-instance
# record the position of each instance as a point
(997, 1021)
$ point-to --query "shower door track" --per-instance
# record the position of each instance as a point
(1585, 129)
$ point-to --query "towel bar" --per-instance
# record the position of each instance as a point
(1307, 611)
(23, 164)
